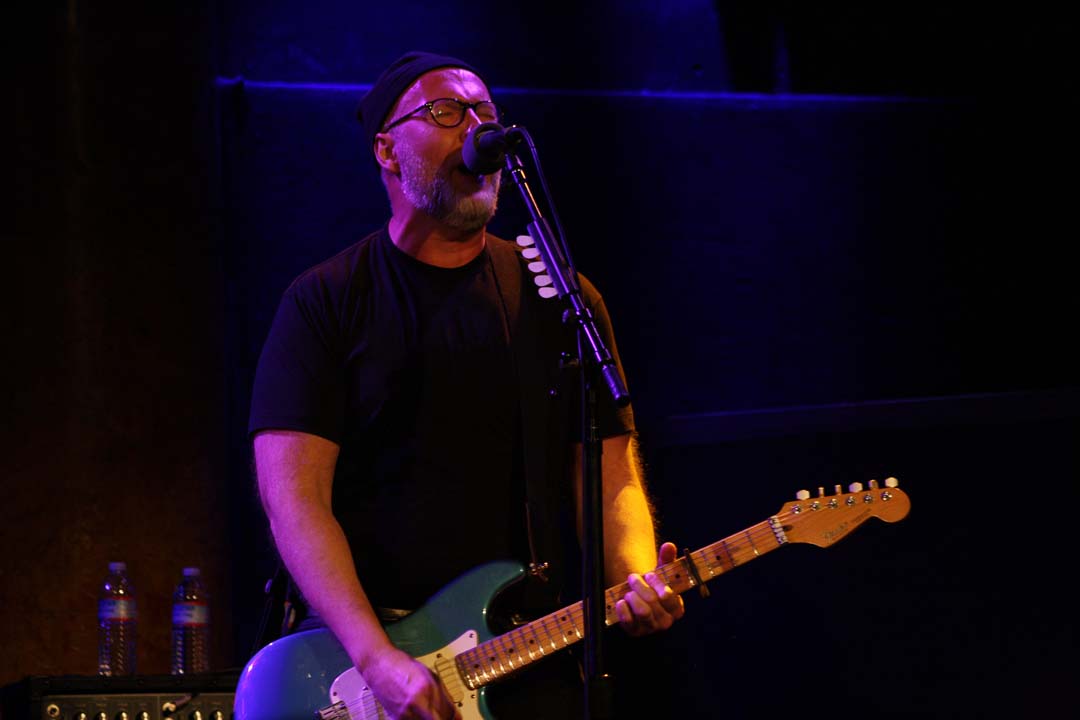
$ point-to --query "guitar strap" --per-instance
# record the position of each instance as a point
(282, 611)
(535, 333)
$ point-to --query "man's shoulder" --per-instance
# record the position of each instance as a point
(497, 244)
(347, 268)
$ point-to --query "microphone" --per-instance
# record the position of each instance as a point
(484, 151)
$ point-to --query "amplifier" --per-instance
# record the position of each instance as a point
(207, 696)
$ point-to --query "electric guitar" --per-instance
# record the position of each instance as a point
(308, 674)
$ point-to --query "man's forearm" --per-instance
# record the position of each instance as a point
(629, 532)
(317, 556)
(295, 472)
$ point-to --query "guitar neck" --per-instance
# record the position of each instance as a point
(506, 654)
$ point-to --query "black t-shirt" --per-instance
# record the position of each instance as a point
(411, 370)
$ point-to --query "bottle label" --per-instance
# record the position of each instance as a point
(190, 614)
(116, 609)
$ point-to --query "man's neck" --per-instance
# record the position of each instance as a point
(432, 242)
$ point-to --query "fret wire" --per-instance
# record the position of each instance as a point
(700, 558)
(507, 647)
(535, 644)
(576, 618)
(516, 641)
(567, 618)
(473, 680)
(547, 629)
(515, 646)
(751, 539)
(611, 598)
(482, 661)
(499, 653)
(539, 641)
(496, 654)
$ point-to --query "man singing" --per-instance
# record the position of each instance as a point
(411, 418)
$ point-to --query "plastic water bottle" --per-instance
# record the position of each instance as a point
(116, 623)
(190, 625)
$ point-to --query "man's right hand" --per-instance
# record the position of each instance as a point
(407, 689)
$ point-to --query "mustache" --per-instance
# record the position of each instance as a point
(456, 161)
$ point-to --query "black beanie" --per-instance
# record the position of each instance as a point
(395, 80)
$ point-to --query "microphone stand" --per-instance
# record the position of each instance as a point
(594, 360)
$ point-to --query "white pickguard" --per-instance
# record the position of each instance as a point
(352, 691)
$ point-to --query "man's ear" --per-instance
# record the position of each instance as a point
(384, 153)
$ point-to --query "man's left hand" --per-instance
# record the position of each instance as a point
(650, 605)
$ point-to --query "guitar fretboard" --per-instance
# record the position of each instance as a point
(506, 654)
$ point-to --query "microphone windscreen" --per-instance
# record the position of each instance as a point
(484, 150)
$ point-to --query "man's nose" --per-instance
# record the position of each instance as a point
(471, 120)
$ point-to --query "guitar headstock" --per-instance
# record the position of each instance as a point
(825, 519)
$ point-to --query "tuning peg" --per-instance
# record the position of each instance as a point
(873, 484)
(542, 280)
(820, 491)
(524, 240)
(537, 266)
(802, 495)
(892, 482)
(855, 487)
(530, 253)
(548, 292)
(836, 490)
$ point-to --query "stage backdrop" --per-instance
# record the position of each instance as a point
(855, 266)
(808, 290)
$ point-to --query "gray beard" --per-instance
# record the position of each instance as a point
(431, 190)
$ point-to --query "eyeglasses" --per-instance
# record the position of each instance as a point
(450, 112)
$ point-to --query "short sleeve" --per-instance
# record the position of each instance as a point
(612, 420)
(299, 379)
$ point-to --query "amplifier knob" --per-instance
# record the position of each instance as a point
(170, 706)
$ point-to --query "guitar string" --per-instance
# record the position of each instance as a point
(760, 533)
(492, 665)
(508, 642)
